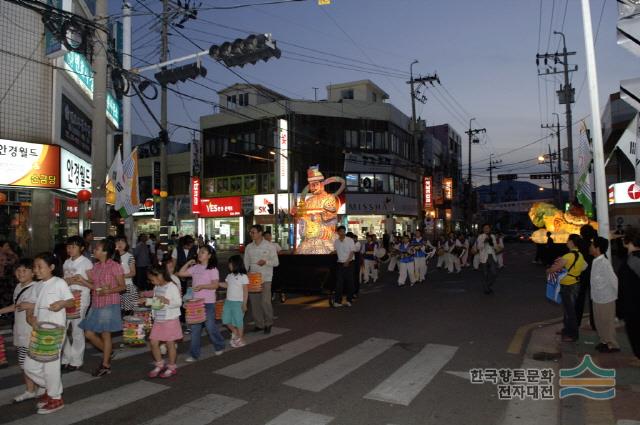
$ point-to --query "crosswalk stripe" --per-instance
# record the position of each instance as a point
(408, 381)
(68, 380)
(281, 354)
(95, 405)
(199, 412)
(331, 371)
(208, 351)
(300, 417)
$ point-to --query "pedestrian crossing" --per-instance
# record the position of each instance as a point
(397, 387)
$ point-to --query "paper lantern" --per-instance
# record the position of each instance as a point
(148, 203)
(84, 195)
(164, 194)
(111, 198)
(156, 192)
(3, 197)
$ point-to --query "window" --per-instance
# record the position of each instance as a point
(351, 139)
(346, 94)
(352, 182)
(382, 183)
(366, 183)
(379, 141)
(243, 99)
(374, 97)
(231, 102)
(395, 142)
(366, 140)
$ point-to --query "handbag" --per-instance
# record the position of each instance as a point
(553, 286)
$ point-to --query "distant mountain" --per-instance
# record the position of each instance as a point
(513, 190)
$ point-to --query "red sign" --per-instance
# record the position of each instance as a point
(634, 191)
(447, 187)
(221, 207)
(195, 195)
(72, 209)
(427, 188)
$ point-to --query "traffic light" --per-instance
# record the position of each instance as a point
(270, 208)
(181, 73)
(628, 29)
(243, 51)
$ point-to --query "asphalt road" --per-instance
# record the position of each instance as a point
(399, 356)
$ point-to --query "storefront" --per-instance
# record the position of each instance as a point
(380, 213)
(38, 187)
(624, 204)
(221, 218)
(264, 213)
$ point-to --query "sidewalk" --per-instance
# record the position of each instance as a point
(624, 408)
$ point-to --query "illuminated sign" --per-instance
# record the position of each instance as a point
(261, 203)
(195, 195)
(283, 140)
(447, 188)
(80, 71)
(221, 207)
(624, 193)
(75, 173)
(29, 164)
(427, 188)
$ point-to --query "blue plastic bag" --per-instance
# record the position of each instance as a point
(553, 286)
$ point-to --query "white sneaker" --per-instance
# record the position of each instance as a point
(219, 352)
(347, 304)
(24, 396)
(190, 359)
(337, 305)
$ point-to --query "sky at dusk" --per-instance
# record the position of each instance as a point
(483, 52)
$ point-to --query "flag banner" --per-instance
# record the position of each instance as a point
(130, 201)
(636, 155)
(585, 158)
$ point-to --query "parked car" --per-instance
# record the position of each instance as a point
(511, 236)
(524, 237)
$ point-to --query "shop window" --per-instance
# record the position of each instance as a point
(352, 182)
(366, 183)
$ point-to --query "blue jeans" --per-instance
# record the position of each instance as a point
(569, 295)
(214, 334)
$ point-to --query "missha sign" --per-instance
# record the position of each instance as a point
(381, 205)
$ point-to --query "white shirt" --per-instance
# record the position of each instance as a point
(604, 282)
(79, 266)
(49, 292)
(265, 251)
(22, 329)
(168, 311)
(126, 261)
(484, 249)
(234, 286)
(344, 248)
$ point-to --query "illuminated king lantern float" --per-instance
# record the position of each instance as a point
(548, 218)
(317, 214)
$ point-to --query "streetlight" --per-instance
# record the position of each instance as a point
(541, 158)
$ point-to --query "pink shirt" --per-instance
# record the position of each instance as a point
(203, 276)
(104, 275)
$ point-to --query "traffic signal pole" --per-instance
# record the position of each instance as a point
(164, 231)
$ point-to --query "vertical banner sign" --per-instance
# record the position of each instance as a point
(195, 195)
(283, 139)
(195, 158)
(447, 187)
(155, 184)
(427, 185)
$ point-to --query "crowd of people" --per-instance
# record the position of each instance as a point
(105, 281)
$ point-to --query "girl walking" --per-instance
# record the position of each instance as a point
(75, 269)
(24, 296)
(165, 305)
(205, 281)
(53, 296)
(235, 305)
(129, 298)
(106, 281)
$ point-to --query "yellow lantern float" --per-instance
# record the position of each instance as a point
(561, 224)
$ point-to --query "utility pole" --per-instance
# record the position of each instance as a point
(126, 100)
(164, 136)
(471, 132)
(414, 121)
(566, 96)
(492, 166)
(556, 127)
(99, 154)
(553, 180)
(315, 93)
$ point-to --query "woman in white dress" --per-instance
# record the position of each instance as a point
(130, 297)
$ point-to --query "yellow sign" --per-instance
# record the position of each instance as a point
(324, 2)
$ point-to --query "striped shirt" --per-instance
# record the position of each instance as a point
(104, 275)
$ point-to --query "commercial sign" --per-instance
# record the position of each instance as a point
(624, 193)
(75, 173)
(246, 184)
(427, 195)
(80, 71)
(75, 126)
(380, 205)
(195, 195)
(29, 164)
(261, 203)
(283, 157)
(447, 188)
(221, 207)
